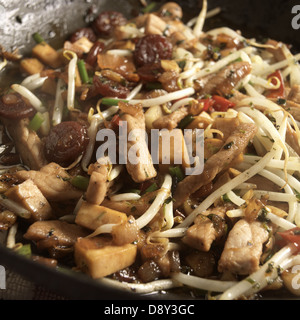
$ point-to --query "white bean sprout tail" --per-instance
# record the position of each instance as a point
(161, 196)
(95, 121)
(260, 119)
(3, 64)
(71, 79)
(59, 103)
(259, 279)
(200, 20)
(223, 62)
(227, 187)
(165, 98)
(105, 228)
(202, 283)
(11, 237)
(33, 99)
(150, 287)
(92, 132)
(33, 81)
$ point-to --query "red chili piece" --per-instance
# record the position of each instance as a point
(216, 103)
(291, 236)
(115, 122)
(276, 93)
(207, 104)
(222, 104)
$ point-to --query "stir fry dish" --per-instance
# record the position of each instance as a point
(230, 230)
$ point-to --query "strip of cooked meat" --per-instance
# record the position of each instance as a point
(119, 64)
(170, 121)
(138, 207)
(292, 139)
(243, 248)
(293, 108)
(207, 228)
(226, 125)
(277, 49)
(294, 94)
(225, 80)
(97, 187)
(53, 181)
(143, 169)
(28, 144)
(233, 146)
(29, 196)
(7, 219)
(237, 96)
(64, 234)
(263, 183)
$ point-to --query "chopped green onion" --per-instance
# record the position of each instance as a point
(150, 7)
(181, 64)
(80, 182)
(36, 122)
(225, 198)
(238, 60)
(137, 191)
(111, 101)
(176, 172)
(297, 194)
(153, 85)
(24, 250)
(179, 42)
(82, 71)
(281, 101)
(153, 187)
(38, 38)
(168, 200)
(185, 121)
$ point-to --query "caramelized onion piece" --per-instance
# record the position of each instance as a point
(109, 88)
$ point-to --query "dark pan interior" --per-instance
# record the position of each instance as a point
(55, 20)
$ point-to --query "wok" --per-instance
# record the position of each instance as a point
(55, 20)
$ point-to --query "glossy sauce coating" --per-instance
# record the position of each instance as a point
(66, 142)
(13, 106)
